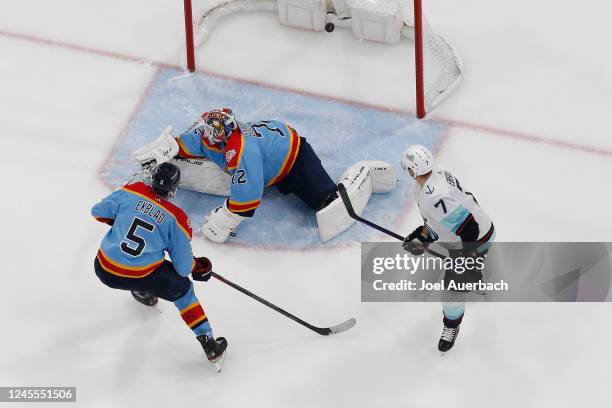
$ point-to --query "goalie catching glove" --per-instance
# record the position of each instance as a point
(157, 152)
(221, 223)
(202, 269)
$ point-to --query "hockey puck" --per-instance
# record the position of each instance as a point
(329, 27)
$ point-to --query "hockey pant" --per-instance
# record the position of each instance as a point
(164, 282)
(308, 179)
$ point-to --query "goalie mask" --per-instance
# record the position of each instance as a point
(218, 125)
(417, 160)
(165, 180)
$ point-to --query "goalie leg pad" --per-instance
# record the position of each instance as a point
(203, 176)
(160, 150)
(334, 219)
(384, 179)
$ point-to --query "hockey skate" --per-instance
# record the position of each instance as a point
(214, 349)
(447, 339)
(145, 298)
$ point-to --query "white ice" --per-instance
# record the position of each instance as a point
(529, 131)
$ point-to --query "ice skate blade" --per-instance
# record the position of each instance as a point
(219, 361)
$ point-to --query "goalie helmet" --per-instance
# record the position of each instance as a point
(417, 160)
(218, 125)
(165, 180)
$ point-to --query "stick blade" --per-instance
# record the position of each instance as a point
(344, 326)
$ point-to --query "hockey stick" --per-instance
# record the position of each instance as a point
(324, 331)
(351, 212)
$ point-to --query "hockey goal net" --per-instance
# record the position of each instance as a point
(437, 67)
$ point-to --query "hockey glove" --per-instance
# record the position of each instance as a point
(147, 171)
(221, 223)
(417, 248)
(108, 221)
(202, 270)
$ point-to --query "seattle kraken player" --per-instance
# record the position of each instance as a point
(257, 155)
(144, 225)
(453, 218)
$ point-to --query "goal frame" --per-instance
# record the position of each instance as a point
(421, 111)
(418, 59)
(189, 39)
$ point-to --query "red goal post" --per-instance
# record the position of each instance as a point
(438, 69)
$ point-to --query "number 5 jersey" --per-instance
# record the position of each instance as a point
(143, 227)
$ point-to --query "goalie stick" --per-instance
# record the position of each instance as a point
(324, 331)
(351, 212)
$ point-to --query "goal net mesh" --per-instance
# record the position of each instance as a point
(441, 66)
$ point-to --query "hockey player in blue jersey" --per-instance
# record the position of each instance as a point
(257, 155)
(145, 225)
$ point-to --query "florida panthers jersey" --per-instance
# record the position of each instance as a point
(446, 207)
(143, 226)
(256, 155)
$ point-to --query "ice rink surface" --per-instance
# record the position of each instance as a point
(527, 129)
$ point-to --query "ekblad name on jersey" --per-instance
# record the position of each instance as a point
(256, 155)
(447, 207)
(146, 226)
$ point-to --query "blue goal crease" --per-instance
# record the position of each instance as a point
(340, 133)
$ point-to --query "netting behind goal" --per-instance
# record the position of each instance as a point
(438, 69)
(206, 13)
(441, 67)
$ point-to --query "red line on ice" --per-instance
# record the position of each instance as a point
(126, 124)
(513, 134)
